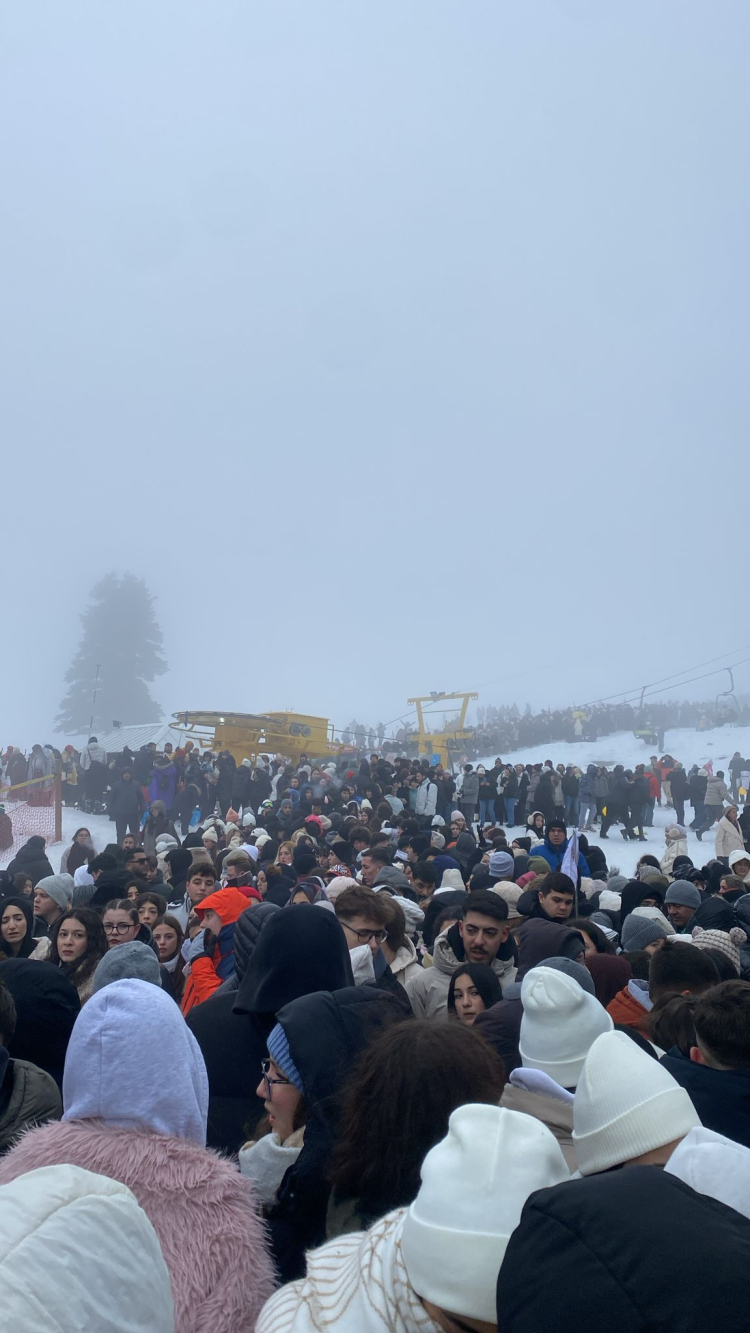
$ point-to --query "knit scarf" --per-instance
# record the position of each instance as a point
(354, 1284)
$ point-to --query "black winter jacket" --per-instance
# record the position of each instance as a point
(720, 1096)
(606, 1229)
(31, 860)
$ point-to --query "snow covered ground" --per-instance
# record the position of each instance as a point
(691, 747)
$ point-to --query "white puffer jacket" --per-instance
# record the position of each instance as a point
(64, 1235)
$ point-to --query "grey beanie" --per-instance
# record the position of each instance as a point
(392, 878)
(502, 865)
(616, 883)
(684, 894)
(59, 888)
(82, 894)
(576, 971)
(135, 960)
(638, 931)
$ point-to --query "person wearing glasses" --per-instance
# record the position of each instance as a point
(360, 911)
(136, 864)
(122, 925)
(267, 1160)
(365, 922)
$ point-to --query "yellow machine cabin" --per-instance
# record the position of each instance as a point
(246, 735)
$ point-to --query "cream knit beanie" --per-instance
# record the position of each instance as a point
(475, 1183)
(560, 1023)
(653, 914)
(625, 1105)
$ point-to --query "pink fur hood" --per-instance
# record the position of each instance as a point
(201, 1208)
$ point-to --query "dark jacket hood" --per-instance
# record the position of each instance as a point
(328, 1030)
(714, 914)
(247, 933)
(301, 950)
(25, 905)
(539, 939)
(606, 1230)
(110, 884)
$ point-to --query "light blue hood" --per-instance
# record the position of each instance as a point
(133, 1062)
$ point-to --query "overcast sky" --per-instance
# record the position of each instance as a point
(400, 346)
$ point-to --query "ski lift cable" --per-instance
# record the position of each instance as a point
(604, 698)
(716, 672)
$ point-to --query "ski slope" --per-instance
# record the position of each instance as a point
(689, 746)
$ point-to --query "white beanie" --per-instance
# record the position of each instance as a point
(210, 835)
(609, 901)
(451, 879)
(475, 1183)
(626, 1104)
(560, 1023)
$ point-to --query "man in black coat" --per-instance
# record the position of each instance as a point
(618, 802)
(697, 794)
(638, 801)
(126, 804)
(680, 788)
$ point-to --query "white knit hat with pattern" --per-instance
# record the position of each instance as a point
(726, 941)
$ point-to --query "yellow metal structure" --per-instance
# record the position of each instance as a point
(443, 743)
(246, 735)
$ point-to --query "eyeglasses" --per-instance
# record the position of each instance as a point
(265, 1066)
(138, 861)
(364, 936)
(118, 927)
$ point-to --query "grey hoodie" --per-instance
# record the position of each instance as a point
(133, 1062)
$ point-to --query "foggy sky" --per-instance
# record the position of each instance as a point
(399, 346)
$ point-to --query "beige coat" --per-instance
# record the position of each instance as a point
(728, 837)
(405, 965)
(676, 846)
(557, 1116)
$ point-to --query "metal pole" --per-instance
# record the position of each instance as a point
(93, 701)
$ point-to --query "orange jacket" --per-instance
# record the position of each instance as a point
(207, 974)
(626, 1010)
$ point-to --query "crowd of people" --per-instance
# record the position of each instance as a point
(380, 1047)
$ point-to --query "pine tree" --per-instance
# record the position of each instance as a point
(122, 638)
